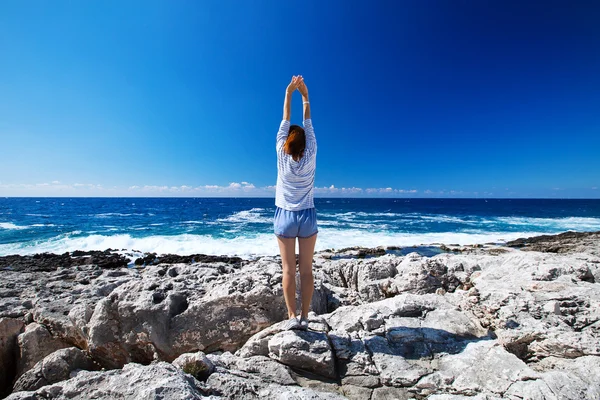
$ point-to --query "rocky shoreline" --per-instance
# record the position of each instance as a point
(520, 321)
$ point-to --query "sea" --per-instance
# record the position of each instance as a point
(244, 226)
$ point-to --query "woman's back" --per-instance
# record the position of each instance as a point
(295, 179)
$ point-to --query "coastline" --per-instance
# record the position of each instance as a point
(114, 258)
(386, 323)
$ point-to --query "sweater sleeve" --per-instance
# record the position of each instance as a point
(284, 130)
(311, 140)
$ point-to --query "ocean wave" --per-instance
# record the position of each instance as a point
(448, 218)
(184, 244)
(10, 225)
(361, 214)
(562, 224)
(116, 214)
(254, 245)
(248, 216)
(336, 238)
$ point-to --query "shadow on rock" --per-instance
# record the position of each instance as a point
(418, 343)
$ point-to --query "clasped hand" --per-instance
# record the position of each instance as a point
(297, 83)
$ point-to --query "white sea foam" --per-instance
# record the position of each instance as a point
(10, 225)
(248, 216)
(180, 244)
(247, 246)
(116, 214)
(448, 218)
(569, 223)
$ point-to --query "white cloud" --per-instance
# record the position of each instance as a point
(232, 189)
(55, 188)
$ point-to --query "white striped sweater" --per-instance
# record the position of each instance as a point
(296, 179)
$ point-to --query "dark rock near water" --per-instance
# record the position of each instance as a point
(196, 258)
(566, 242)
(47, 262)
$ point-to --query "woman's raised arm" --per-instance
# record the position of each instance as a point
(304, 92)
(287, 102)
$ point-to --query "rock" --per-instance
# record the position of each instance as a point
(263, 367)
(388, 393)
(482, 366)
(171, 311)
(356, 392)
(381, 330)
(194, 258)
(35, 344)
(241, 386)
(566, 242)
(157, 381)
(305, 350)
(572, 379)
(9, 330)
(47, 262)
(394, 342)
(379, 278)
(54, 368)
(195, 364)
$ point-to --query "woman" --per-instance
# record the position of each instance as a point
(295, 215)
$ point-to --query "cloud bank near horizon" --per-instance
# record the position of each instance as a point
(233, 189)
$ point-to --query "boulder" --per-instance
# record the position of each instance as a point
(54, 368)
(35, 344)
(305, 350)
(195, 364)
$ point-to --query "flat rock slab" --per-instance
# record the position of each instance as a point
(134, 381)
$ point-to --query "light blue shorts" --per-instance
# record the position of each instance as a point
(293, 224)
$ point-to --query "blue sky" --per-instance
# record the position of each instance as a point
(409, 98)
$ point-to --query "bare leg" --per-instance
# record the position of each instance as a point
(287, 248)
(307, 251)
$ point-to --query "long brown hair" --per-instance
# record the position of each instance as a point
(295, 143)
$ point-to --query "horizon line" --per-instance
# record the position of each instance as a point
(273, 197)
